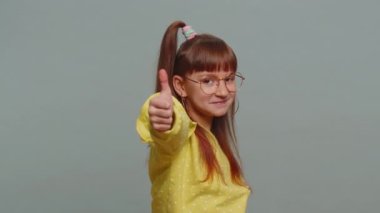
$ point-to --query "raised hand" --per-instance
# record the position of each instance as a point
(161, 106)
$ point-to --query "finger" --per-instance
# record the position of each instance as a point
(160, 103)
(164, 82)
(163, 113)
(159, 120)
(161, 127)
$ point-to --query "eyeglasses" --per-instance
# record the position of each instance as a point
(209, 84)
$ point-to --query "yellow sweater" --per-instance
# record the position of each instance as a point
(176, 169)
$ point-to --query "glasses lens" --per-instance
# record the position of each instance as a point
(233, 83)
(238, 82)
(209, 88)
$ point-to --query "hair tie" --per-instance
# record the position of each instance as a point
(188, 32)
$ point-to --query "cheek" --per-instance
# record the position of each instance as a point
(193, 91)
(231, 101)
(198, 99)
(190, 89)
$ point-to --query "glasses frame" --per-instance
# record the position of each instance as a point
(237, 74)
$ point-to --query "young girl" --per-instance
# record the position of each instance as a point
(194, 164)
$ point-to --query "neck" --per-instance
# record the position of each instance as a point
(203, 121)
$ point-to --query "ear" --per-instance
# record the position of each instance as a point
(178, 84)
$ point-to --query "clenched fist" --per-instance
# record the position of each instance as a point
(161, 106)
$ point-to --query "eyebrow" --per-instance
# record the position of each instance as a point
(212, 75)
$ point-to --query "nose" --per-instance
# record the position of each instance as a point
(222, 90)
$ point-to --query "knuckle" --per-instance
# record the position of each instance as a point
(152, 120)
(151, 114)
(152, 111)
(152, 102)
(169, 114)
(156, 126)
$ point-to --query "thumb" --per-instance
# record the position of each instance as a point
(164, 82)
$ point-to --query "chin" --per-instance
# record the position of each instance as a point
(219, 116)
(220, 113)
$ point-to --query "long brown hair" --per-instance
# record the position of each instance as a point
(210, 53)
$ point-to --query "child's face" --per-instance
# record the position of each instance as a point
(207, 104)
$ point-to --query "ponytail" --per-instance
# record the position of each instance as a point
(168, 52)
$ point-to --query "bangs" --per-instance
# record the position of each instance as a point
(205, 53)
(215, 58)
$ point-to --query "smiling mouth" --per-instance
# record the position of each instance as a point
(219, 102)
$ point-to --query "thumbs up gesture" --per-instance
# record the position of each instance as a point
(161, 106)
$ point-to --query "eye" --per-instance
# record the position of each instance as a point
(230, 79)
(208, 82)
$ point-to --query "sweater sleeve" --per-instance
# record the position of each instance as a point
(168, 141)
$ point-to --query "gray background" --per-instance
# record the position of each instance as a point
(74, 73)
